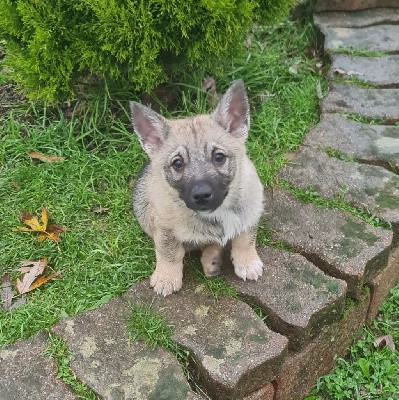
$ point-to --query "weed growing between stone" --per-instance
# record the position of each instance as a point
(311, 196)
(350, 51)
(58, 350)
(150, 327)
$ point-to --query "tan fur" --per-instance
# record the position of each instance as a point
(164, 215)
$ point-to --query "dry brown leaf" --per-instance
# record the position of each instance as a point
(50, 232)
(33, 275)
(29, 276)
(386, 340)
(6, 292)
(44, 157)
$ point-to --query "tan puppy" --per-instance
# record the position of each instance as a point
(198, 190)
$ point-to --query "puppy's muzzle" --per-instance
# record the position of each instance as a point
(203, 196)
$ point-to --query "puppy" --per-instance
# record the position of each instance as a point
(198, 189)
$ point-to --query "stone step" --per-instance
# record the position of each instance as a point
(371, 103)
(373, 144)
(384, 38)
(112, 366)
(343, 246)
(382, 72)
(348, 5)
(356, 19)
(234, 353)
(302, 369)
(26, 373)
(369, 187)
(311, 299)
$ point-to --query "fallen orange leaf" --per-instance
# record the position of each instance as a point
(43, 279)
(44, 157)
(46, 232)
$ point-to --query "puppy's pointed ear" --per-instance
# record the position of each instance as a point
(150, 127)
(232, 111)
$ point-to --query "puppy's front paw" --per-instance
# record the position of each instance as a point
(166, 284)
(248, 267)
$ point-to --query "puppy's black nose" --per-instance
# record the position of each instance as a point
(201, 193)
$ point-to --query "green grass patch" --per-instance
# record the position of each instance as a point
(368, 120)
(103, 251)
(150, 327)
(310, 195)
(369, 371)
(335, 153)
(350, 51)
(353, 81)
(58, 350)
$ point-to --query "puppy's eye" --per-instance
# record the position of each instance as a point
(177, 164)
(218, 157)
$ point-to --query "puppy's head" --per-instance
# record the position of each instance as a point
(198, 156)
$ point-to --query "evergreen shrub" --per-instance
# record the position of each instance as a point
(56, 46)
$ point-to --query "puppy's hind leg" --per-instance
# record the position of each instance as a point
(247, 264)
(212, 259)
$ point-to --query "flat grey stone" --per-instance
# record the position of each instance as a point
(347, 5)
(26, 373)
(343, 246)
(234, 352)
(297, 297)
(383, 38)
(379, 71)
(373, 144)
(369, 187)
(372, 103)
(114, 367)
(356, 19)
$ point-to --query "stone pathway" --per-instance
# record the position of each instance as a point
(233, 354)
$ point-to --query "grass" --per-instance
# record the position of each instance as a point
(350, 51)
(369, 372)
(103, 253)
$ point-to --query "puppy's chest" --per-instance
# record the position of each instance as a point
(219, 229)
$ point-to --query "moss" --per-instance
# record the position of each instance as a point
(357, 230)
(168, 387)
(259, 337)
(387, 200)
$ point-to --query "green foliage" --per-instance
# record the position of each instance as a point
(56, 48)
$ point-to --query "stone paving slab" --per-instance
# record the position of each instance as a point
(373, 144)
(370, 187)
(348, 5)
(311, 299)
(371, 103)
(383, 38)
(379, 71)
(335, 241)
(234, 352)
(26, 373)
(356, 19)
(115, 368)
